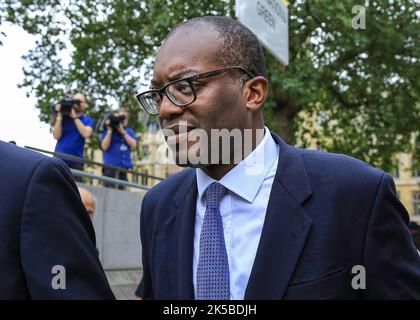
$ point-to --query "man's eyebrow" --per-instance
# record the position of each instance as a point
(155, 83)
(183, 73)
(175, 76)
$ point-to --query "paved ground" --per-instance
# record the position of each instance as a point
(124, 282)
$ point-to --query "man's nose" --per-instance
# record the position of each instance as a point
(168, 110)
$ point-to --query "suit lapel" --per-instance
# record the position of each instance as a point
(286, 228)
(180, 231)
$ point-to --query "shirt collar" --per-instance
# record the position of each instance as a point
(247, 177)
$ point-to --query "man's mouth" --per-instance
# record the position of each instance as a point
(177, 132)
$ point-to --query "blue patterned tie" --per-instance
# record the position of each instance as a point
(213, 266)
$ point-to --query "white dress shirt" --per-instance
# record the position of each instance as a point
(243, 210)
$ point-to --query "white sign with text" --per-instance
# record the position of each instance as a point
(268, 19)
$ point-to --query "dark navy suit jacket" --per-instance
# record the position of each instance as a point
(326, 214)
(44, 224)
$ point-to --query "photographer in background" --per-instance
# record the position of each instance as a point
(71, 128)
(116, 142)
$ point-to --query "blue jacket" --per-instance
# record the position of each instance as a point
(326, 214)
(43, 224)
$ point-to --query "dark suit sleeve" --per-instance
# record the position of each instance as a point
(391, 260)
(145, 230)
(57, 233)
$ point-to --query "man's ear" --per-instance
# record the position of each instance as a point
(255, 92)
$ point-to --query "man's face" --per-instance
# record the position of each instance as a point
(219, 102)
(82, 106)
(90, 208)
(88, 202)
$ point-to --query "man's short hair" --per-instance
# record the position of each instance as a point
(239, 46)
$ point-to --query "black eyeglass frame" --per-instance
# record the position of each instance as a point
(190, 79)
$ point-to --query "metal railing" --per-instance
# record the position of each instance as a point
(135, 176)
(123, 183)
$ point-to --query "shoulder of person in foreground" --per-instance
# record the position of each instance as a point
(57, 240)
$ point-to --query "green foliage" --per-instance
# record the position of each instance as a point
(362, 86)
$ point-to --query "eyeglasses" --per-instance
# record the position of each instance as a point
(180, 92)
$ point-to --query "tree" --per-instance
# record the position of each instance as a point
(362, 86)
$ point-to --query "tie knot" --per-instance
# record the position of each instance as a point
(215, 193)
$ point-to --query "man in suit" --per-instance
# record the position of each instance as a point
(47, 242)
(306, 225)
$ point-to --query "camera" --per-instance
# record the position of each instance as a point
(67, 104)
(111, 119)
(115, 119)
